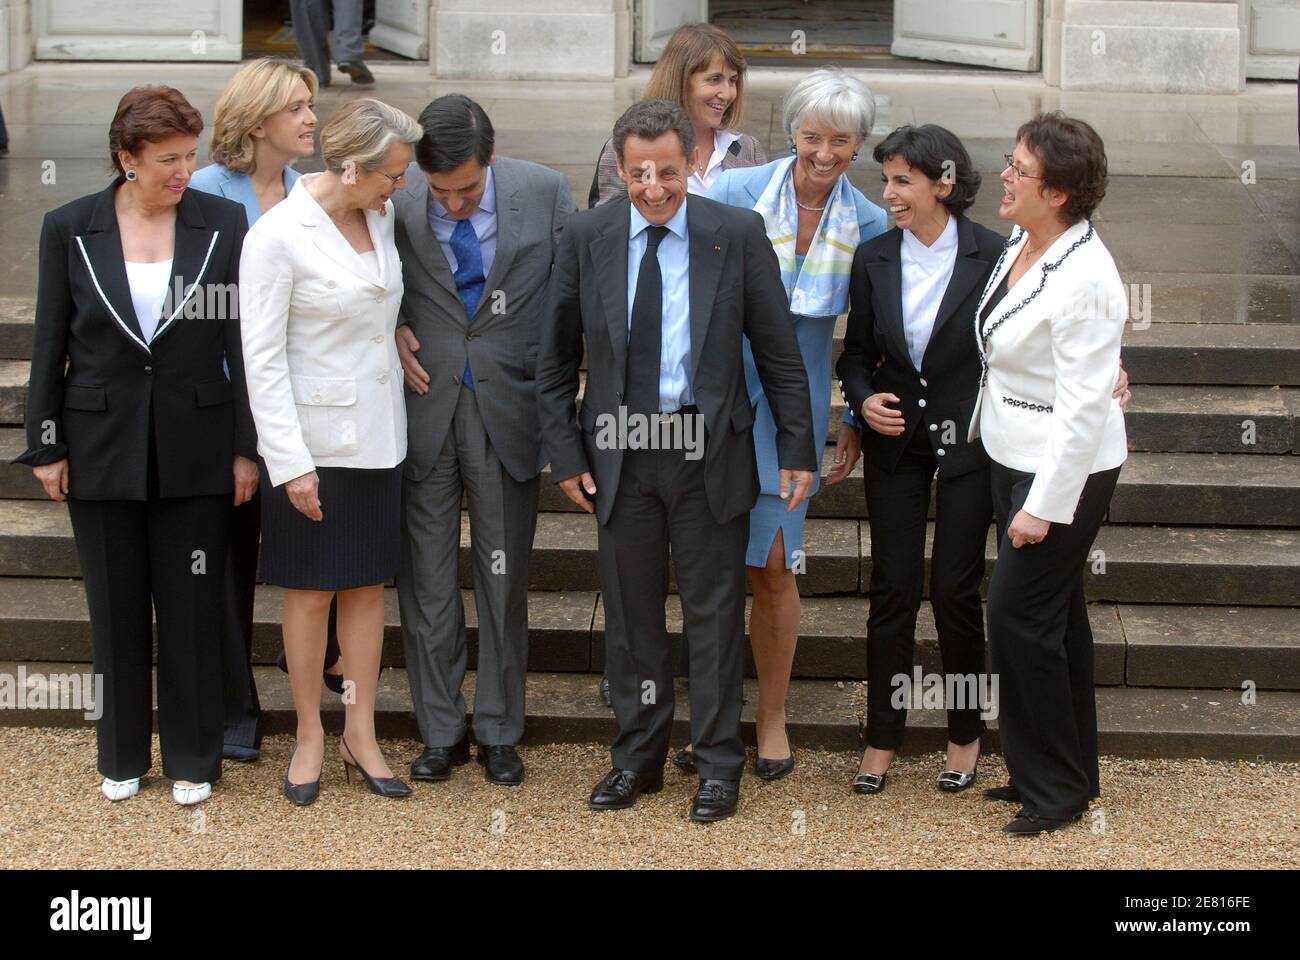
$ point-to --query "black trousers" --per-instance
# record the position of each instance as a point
(1040, 646)
(243, 713)
(897, 507)
(171, 552)
(662, 505)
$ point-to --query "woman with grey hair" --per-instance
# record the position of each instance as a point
(320, 287)
(815, 219)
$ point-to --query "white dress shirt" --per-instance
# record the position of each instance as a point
(926, 272)
(701, 182)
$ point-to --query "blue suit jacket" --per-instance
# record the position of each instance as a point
(224, 182)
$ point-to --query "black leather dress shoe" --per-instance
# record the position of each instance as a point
(1007, 794)
(684, 760)
(715, 800)
(435, 763)
(501, 765)
(620, 788)
(774, 769)
(235, 751)
(1029, 823)
(604, 692)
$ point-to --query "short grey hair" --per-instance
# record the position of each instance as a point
(832, 97)
(363, 131)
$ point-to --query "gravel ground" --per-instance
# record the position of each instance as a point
(1153, 813)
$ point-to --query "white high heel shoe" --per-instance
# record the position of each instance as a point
(188, 796)
(120, 789)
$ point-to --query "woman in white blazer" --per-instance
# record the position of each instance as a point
(320, 284)
(1048, 329)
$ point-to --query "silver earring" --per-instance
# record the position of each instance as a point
(793, 148)
(855, 156)
(130, 175)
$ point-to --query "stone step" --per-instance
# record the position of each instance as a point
(1266, 354)
(43, 619)
(1130, 564)
(1174, 488)
(561, 707)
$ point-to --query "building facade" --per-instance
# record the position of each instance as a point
(1175, 46)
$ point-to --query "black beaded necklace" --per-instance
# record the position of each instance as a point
(1048, 268)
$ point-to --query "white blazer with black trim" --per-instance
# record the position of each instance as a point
(324, 378)
(1052, 359)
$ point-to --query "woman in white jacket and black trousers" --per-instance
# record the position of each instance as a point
(1049, 329)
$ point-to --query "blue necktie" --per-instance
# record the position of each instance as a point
(469, 274)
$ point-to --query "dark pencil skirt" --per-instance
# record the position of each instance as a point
(357, 544)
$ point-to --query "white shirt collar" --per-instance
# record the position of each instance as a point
(941, 249)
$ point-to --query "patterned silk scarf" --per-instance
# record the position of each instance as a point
(821, 287)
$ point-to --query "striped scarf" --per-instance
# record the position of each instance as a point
(821, 287)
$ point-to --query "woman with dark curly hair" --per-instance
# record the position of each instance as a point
(1048, 331)
(910, 371)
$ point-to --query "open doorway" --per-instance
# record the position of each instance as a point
(773, 32)
(268, 31)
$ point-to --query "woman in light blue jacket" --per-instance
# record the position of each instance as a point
(815, 219)
(264, 121)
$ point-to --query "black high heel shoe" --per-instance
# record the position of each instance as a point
(383, 786)
(955, 781)
(301, 794)
(774, 769)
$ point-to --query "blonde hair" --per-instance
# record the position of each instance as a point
(690, 50)
(258, 89)
(362, 132)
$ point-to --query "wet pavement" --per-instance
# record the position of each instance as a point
(1204, 200)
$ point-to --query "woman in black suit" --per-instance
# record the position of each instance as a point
(911, 370)
(147, 432)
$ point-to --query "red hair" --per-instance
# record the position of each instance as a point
(147, 115)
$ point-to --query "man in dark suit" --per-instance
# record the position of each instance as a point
(476, 234)
(663, 288)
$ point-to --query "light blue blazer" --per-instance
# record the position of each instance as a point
(224, 182)
(742, 186)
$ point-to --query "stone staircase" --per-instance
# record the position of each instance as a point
(1195, 584)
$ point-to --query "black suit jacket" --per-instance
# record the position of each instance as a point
(949, 378)
(735, 290)
(97, 388)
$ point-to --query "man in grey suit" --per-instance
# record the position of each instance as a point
(477, 236)
(664, 288)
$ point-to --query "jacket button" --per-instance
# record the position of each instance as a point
(383, 378)
(455, 379)
(923, 383)
(934, 426)
(941, 451)
(921, 402)
(378, 338)
(148, 368)
(315, 398)
(331, 284)
(379, 299)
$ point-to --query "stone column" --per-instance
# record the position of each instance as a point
(529, 39)
(15, 35)
(1152, 46)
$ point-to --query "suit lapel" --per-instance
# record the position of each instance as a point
(414, 213)
(708, 251)
(101, 252)
(509, 225)
(190, 258)
(966, 272)
(887, 277)
(609, 257)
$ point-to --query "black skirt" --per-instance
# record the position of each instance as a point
(357, 544)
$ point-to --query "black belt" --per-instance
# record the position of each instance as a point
(690, 410)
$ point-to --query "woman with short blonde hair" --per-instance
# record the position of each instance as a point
(264, 121)
(320, 284)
